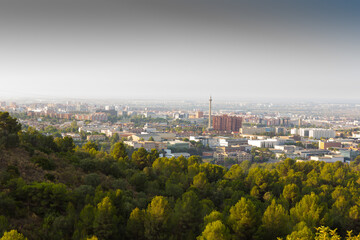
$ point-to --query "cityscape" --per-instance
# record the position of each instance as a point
(320, 132)
(74, 145)
(179, 120)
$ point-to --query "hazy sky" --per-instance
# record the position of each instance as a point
(173, 49)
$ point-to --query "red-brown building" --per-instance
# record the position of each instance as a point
(326, 145)
(199, 114)
(50, 114)
(227, 123)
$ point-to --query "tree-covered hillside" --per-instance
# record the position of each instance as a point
(51, 189)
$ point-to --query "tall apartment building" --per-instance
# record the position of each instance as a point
(99, 116)
(227, 123)
(199, 114)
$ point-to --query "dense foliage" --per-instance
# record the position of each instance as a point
(51, 189)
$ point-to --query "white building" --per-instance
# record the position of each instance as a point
(206, 140)
(315, 133)
(294, 131)
(286, 148)
(328, 158)
(148, 145)
(148, 129)
(76, 137)
(96, 138)
(227, 142)
(168, 154)
(356, 134)
(146, 137)
(321, 133)
(267, 143)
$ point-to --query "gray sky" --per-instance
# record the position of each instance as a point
(179, 49)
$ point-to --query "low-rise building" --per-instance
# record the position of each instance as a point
(266, 143)
(146, 137)
(134, 144)
(96, 138)
(286, 148)
(307, 153)
(349, 154)
(158, 136)
(76, 137)
(212, 142)
(315, 133)
(178, 144)
(228, 142)
(329, 144)
(356, 134)
(328, 158)
(148, 145)
(176, 155)
(287, 155)
(255, 130)
(234, 149)
(239, 156)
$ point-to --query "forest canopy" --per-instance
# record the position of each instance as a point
(51, 189)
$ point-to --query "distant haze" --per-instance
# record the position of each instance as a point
(180, 49)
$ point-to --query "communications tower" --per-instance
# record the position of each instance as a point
(209, 125)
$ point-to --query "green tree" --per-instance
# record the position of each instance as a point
(51, 129)
(275, 222)
(353, 219)
(13, 235)
(9, 128)
(119, 151)
(114, 138)
(157, 218)
(43, 162)
(187, 215)
(105, 222)
(260, 178)
(243, 218)
(300, 232)
(141, 159)
(212, 217)
(91, 145)
(173, 189)
(92, 179)
(92, 238)
(325, 233)
(291, 193)
(4, 224)
(65, 144)
(135, 225)
(194, 159)
(308, 210)
(234, 173)
(200, 181)
(138, 180)
(74, 127)
(84, 226)
(215, 231)
(32, 139)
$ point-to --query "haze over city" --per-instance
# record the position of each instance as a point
(180, 49)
